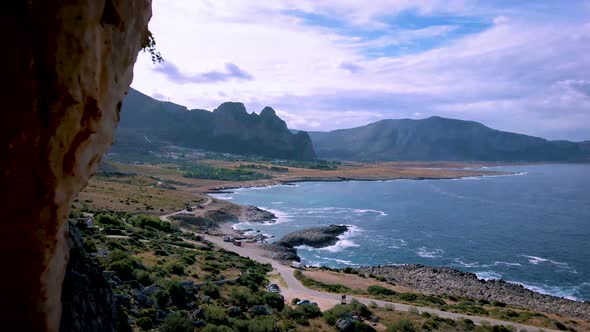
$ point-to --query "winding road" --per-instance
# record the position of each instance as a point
(166, 217)
(326, 300)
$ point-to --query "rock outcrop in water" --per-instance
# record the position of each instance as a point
(316, 237)
(444, 280)
(66, 66)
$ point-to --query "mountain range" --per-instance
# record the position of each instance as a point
(438, 138)
(229, 128)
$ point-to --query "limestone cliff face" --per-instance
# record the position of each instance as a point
(66, 67)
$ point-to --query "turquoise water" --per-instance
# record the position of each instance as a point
(532, 228)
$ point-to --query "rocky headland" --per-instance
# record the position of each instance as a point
(444, 280)
(317, 237)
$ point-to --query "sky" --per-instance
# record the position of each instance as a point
(521, 66)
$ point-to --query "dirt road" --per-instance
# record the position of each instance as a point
(327, 300)
(167, 216)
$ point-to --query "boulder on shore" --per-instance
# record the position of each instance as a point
(316, 237)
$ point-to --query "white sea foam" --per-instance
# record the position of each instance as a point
(344, 241)
(341, 261)
(462, 263)
(480, 177)
(535, 260)
(568, 293)
(381, 213)
(338, 210)
(397, 243)
(224, 196)
(282, 216)
(506, 263)
(488, 275)
(429, 253)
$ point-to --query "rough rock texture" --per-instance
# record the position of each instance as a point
(444, 280)
(255, 214)
(66, 68)
(317, 237)
(86, 292)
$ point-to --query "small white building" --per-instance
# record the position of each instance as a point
(227, 238)
(296, 265)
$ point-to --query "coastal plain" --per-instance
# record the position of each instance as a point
(164, 190)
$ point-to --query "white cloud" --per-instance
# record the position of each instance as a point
(320, 78)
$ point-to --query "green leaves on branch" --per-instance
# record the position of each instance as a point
(149, 45)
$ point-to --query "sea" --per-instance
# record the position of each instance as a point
(530, 228)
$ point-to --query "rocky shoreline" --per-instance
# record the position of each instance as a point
(444, 280)
(317, 237)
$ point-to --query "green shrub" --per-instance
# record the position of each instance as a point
(498, 304)
(123, 268)
(360, 308)
(225, 174)
(311, 283)
(90, 246)
(210, 290)
(350, 270)
(309, 310)
(177, 293)
(151, 222)
(258, 324)
(215, 328)
(408, 297)
(107, 220)
(403, 325)
(143, 277)
(162, 297)
(188, 259)
(144, 323)
(175, 268)
(216, 315)
(274, 300)
(295, 300)
(150, 313)
(332, 315)
(362, 327)
(243, 297)
(380, 290)
(175, 322)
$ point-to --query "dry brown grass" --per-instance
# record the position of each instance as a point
(134, 193)
(352, 281)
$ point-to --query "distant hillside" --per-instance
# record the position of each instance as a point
(229, 128)
(437, 138)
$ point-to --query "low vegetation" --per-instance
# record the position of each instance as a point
(316, 164)
(314, 284)
(264, 167)
(197, 171)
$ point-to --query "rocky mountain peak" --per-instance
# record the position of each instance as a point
(233, 108)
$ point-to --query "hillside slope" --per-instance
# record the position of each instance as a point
(438, 138)
(229, 128)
